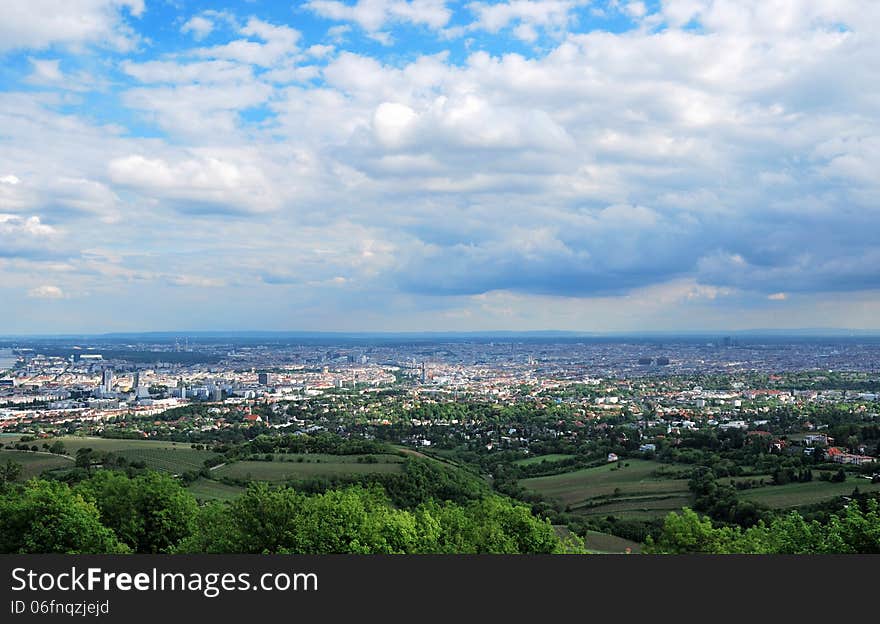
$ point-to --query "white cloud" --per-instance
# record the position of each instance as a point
(653, 167)
(528, 15)
(174, 72)
(46, 70)
(199, 26)
(205, 183)
(38, 24)
(275, 43)
(375, 15)
(27, 237)
(46, 292)
(89, 197)
(196, 281)
(198, 110)
(392, 122)
(636, 9)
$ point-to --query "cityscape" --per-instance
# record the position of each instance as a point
(776, 422)
(424, 277)
(100, 378)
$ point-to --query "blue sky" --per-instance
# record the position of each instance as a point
(410, 165)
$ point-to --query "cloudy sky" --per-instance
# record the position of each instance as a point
(404, 165)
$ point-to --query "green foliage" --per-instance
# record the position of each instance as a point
(853, 530)
(48, 517)
(426, 480)
(363, 520)
(10, 471)
(150, 513)
(111, 512)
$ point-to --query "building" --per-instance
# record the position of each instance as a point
(107, 380)
(839, 456)
(264, 379)
(612, 457)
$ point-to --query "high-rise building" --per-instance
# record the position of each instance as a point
(107, 380)
(136, 380)
(264, 379)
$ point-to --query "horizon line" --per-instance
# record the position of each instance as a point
(811, 331)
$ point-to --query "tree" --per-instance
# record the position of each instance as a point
(48, 517)
(58, 448)
(10, 471)
(150, 513)
(363, 520)
(84, 459)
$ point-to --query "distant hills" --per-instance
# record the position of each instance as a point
(250, 335)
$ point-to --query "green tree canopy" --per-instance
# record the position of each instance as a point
(150, 513)
(48, 517)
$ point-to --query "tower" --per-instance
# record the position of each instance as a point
(107, 380)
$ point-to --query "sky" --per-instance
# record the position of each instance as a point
(436, 165)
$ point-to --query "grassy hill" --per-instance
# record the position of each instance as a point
(626, 491)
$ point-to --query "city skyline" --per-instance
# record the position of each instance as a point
(432, 166)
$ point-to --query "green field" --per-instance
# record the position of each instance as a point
(606, 543)
(174, 460)
(630, 492)
(552, 457)
(207, 490)
(173, 457)
(32, 464)
(74, 443)
(282, 471)
(797, 494)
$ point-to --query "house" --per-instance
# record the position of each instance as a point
(833, 452)
(647, 448)
(817, 438)
(837, 455)
(612, 457)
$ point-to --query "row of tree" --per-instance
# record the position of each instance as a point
(855, 529)
(112, 512)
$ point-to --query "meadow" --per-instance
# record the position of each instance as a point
(550, 458)
(797, 494)
(173, 460)
(32, 464)
(173, 457)
(209, 490)
(73, 443)
(627, 491)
